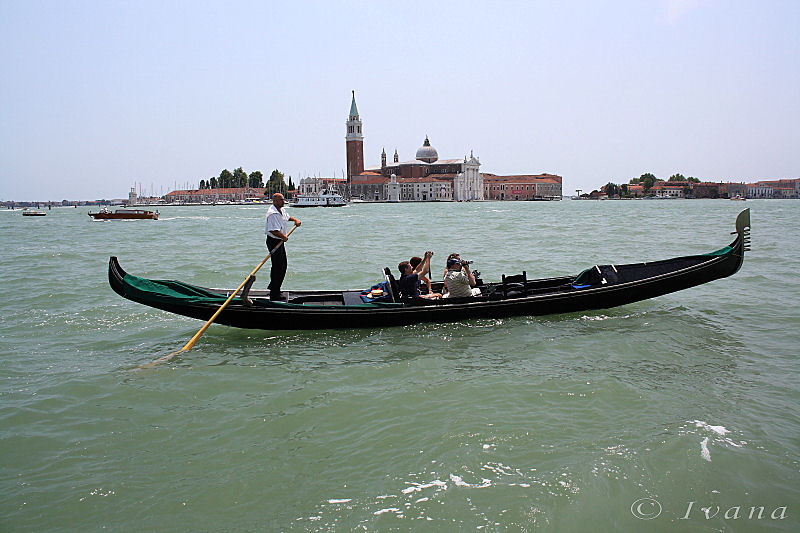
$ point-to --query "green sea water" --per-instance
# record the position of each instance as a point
(628, 419)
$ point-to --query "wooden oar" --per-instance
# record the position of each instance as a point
(193, 340)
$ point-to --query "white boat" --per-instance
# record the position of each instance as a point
(326, 198)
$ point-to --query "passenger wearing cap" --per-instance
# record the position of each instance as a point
(447, 269)
(459, 279)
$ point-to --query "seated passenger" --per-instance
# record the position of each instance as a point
(459, 279)
(423, 276)
(447, 269)
(408, 284)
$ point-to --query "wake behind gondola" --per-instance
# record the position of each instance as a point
(597, 287)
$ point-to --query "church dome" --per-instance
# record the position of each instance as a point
(427, 152)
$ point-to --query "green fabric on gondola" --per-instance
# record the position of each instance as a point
(721, 251)
(169, 291)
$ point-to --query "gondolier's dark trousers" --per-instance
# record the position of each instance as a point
(278, 271)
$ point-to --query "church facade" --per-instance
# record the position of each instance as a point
(426, 178)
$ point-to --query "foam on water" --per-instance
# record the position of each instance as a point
(704, 453)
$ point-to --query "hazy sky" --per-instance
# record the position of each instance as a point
(97, 96)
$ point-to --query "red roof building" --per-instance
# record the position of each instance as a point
(522, 187)
(210, 196)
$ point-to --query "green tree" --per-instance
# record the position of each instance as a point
(239, 178)
(677, 177)
(202, 184)
(275, 183)
(212, 183)
(692, 179)
(256, 179)
(635, 181)
(225, 179)
(611, 189)
(647, 180)
(291, 184)
(624, 189)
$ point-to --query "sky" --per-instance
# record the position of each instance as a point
(97, 97)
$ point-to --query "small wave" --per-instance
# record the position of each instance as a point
(163, 219)
(704, 453)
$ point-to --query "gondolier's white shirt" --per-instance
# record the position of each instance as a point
(276, 220)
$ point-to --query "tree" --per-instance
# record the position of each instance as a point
(202, 184)
(611, 189)
(239, 178)
(275, 183)
(647, 180)
(677, 177)
(692, 179)
(213, 183)
(225, 179)
(635, 181)
(292, 186)
(624, 189)
(256, 179)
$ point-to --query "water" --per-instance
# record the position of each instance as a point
(559, 423)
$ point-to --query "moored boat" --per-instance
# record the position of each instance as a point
(125, 214)
(326, 198)
(27, 212)
(597, 287)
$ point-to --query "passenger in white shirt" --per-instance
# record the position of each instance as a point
(459, 279)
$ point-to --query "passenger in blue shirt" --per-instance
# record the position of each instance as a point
(409, 278)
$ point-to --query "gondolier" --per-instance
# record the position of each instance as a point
(276, 235)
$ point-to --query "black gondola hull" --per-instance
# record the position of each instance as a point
(540, 297)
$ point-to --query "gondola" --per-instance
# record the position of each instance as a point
(598, 287)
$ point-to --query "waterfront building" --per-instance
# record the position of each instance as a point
(636, 190)
(788, 188)
(706, 189)
(759, 190)
(522, 187)
(670, 189)
(211, 196)
(732, 190)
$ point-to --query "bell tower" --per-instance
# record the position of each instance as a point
(355, 142)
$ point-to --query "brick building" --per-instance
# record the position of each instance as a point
(211, 196)
(522, 187)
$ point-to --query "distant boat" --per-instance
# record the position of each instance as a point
(326, 198)
(738, 198)
(125, 214)
(33, 213)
